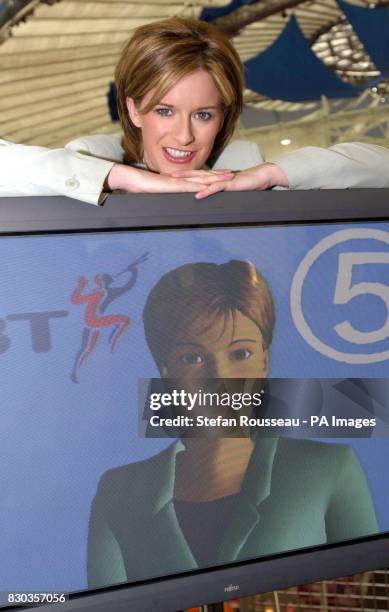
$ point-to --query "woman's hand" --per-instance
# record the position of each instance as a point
(135, 180)
(258, 178)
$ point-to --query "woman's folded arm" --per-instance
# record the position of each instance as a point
(38, 171)
(348, 164)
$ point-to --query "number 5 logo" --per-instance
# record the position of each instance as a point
(344, 292)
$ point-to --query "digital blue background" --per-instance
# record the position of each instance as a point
(58, 437)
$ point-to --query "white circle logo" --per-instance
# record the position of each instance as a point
(344, 292)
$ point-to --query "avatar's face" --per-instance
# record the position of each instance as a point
(232, 347)
(179, 132)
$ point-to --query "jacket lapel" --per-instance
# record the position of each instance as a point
(255, 489)
(171, 541)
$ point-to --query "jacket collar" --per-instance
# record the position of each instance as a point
(166, 478)
(255, 489)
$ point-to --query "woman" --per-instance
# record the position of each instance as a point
(162, 515)
(179, 84)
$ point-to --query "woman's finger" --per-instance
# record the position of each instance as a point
(187, 173)
(211, 189)
(170, 185)
(201, 173)
(209, 180)
(189, 186)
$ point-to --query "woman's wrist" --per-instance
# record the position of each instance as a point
(121, 177)
(275, 175)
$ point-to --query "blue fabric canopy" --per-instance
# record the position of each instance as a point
(372, 28)
(289, 70)
(211, 13)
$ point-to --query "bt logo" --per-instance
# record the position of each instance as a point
(93, 297)
(38, 325)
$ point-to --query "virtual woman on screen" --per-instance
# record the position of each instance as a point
(205, 502)
(180, 95)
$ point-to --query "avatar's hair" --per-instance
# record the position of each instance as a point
(195, 294)
(161, 53)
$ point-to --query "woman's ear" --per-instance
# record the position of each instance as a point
(133, 112)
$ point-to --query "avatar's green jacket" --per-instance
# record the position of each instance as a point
(295, 493)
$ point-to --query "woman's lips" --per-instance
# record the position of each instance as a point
(178, 159)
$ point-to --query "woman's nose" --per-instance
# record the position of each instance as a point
(184, 131)
(218, 368)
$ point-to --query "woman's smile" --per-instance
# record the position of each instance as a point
(178, 156)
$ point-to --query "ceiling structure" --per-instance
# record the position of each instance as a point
(57, 58)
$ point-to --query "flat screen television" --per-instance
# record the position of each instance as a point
(94, 300)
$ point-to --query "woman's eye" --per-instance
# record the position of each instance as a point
(240, 354)
(191, 359)
(164, 112)
(203, 115)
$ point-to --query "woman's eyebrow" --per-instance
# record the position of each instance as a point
(196, 109)
(187, 343)
(198, 345)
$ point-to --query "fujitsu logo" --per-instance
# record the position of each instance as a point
(231, 587)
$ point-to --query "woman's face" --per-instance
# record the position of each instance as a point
(232, 347)
(179, 132)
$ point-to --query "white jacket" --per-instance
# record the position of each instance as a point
(79, 170)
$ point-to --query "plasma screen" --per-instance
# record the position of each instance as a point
(88, 500)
